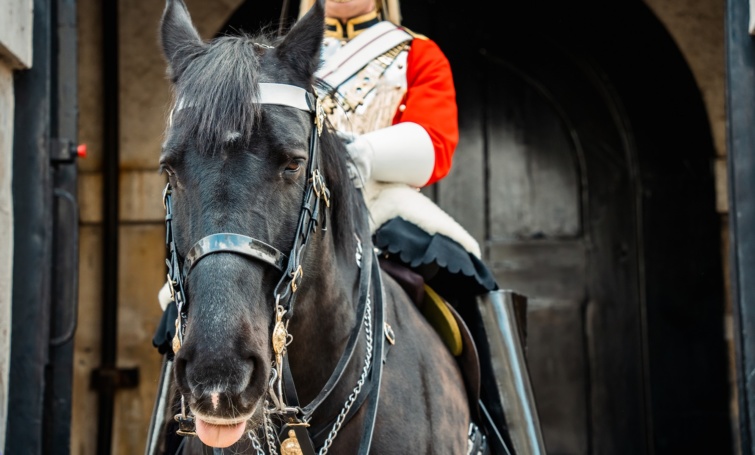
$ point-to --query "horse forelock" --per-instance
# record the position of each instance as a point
(215, 94)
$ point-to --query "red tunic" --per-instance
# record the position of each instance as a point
(430, 101)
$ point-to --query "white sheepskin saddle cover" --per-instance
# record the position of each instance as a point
(386, 201)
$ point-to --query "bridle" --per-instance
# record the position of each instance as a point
(282, 391)
(315, 192)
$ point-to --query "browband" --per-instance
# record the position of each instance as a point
(271, 93)
(286, 95)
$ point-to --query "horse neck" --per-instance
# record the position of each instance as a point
(324, 318)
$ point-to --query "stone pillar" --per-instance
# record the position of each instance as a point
(6, 235)
(15, 53)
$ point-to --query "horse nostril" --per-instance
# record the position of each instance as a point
(250, 384)
(247, 373)
(179, 372)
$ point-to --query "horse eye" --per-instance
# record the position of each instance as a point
(294, 165)
(167, 170)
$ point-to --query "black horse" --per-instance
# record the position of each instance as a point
(244, 156)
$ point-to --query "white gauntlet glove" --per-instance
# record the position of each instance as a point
(361, 154)
(402, 153)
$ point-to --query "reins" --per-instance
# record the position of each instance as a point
(370, 314)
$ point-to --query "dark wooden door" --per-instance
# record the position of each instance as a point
(583, 170)
(561, 232)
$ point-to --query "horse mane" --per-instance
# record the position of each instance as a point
(218, 88)
(348, 209)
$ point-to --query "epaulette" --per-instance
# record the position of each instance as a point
(414, 34)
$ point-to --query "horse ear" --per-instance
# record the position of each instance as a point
(300, 49)
(180, 40)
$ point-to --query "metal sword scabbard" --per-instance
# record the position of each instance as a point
(505, 336)
(157, 423)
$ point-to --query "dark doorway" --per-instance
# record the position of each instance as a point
(585, 171)
(585, 139)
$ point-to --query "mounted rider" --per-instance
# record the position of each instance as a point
(389, 92)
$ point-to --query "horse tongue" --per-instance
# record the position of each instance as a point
(219, 436)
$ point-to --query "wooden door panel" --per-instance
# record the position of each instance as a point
(559, 369)
(534, 183)
(534, 245)
(462, 192)
(552, 269)
(619, 325)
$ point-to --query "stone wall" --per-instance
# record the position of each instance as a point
(15, 32)
(15, 53)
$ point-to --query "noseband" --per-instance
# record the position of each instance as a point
(233, 243)
(316, 192)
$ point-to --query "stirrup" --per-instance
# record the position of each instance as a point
(505, 340)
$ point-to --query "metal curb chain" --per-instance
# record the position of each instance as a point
(269, 432)
(268, 435)
(268, 425)
(355, 393)
(256, 445)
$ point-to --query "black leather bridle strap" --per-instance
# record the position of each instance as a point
(371, 391)
(315, 193)
(320, 431)
(174, 266)
(292, 398)
(351, 344)
(269, 94)
(376, 372)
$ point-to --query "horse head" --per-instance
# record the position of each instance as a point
(237, 165)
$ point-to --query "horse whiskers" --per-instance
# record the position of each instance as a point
(231, 405)
(255, 421)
